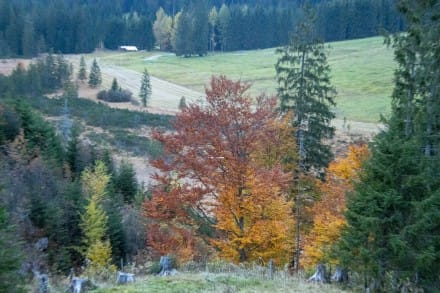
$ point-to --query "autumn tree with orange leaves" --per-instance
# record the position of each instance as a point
(222, 180)
(328, 219)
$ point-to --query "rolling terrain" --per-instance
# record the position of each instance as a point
(362, 72)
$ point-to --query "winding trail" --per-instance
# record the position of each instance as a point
(166, 96)
(165, 99)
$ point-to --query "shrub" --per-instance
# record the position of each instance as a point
(98, 114)
(115, 96)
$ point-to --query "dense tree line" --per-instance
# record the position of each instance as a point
(243, 27)
(31, 27)
(46, 75)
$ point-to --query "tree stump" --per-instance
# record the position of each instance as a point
(319, 275)
(271, 269)
(44, 280)
(340, 275)
(76, 284)
(166, 266)
(124, 278)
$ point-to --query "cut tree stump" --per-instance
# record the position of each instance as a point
(340, 275)
(166, 266)
(320, 275)
(44, 280)
(76, 284)
(124, 278)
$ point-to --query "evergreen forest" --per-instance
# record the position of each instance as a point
(28, 28)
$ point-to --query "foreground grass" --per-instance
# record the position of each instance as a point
(205, 282)
(362, 71)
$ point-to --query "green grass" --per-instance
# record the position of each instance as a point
(202, 282)
(362, 71)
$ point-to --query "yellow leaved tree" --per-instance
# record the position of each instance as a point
(328, 219)
(97, 248)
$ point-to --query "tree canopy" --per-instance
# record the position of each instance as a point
(218, 183)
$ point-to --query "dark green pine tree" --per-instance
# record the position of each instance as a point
(192, 32)
(182, 103)
(72, 151)
(304, 87)
(303, 75)
(125, 182)
(422, 234)
(393, 215)
(29, 42)
(115, 85)
(82, 72)
(10, 257)
(183, 38)
(95, 78)
(145, 92)
(200, 27)
(380, 208)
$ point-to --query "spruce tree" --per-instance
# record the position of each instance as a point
(303, 76)
(200, 27)
(182, 103)
(95, 78)
(115, 86)
(182, 39)
(10, 257)
(393, 215)
(82, 72)
(145, 92)
(192, 32)
(126, 183)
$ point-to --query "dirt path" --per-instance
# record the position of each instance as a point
(165, 99)
(165, 95)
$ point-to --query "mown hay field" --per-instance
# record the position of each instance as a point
(362, 72)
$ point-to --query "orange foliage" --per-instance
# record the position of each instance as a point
(328, 217)
(223, 171)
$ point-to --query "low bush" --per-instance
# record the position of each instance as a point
(99, 114)
(115, 96)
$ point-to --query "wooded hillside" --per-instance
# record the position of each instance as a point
(28, 28)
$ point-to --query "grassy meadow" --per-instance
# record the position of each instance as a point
(362, 71)
(223, 277)
(195, 283)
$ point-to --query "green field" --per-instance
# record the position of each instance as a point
(200, 282)
(362, 71)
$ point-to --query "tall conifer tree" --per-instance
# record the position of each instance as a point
(303, 75)
(145, 92)
(393, 215)
(82, 73)
(95, 78)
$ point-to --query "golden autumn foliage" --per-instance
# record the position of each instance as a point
(97, 248)
(222, 182)
(328, 219)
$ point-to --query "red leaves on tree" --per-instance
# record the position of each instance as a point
(222, 170)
